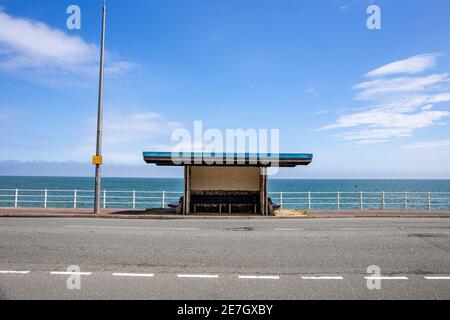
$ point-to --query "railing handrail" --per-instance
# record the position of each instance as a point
(407, 200)
(91, 191)
(271, 192)
(357, 192)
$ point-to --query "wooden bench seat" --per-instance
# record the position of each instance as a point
(229, 201)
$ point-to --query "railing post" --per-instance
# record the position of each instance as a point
(164, 200)
(361, 200)
(383, 200)
(75, 199)
(134, 200)
(104, 199)
(45, 198)
(16, 198)
(406, 201)
(281, 201)
(339, 201)
(429, 201)
(309, 200)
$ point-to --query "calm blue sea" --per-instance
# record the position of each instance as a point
(142, 185)
(149, 184)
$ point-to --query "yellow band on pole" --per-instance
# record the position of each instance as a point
(97, 160)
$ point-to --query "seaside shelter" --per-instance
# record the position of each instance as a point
(226, 182)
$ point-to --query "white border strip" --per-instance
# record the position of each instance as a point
(14, 272)
(437, 278)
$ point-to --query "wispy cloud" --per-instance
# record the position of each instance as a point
(34, 50)
(398, 106)
(312, 90)
(127, 135)
(437, 144)
(124, 128)
(411, 65)
(378, 87)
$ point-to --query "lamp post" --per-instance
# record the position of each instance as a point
(97, 159)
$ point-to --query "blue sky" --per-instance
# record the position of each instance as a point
(367, 103)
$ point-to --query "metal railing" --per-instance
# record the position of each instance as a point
(339, 201)
(336, 201)
(85, 198)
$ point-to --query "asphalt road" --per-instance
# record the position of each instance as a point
(225, 259)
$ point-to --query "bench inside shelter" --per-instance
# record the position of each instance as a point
(225, 202)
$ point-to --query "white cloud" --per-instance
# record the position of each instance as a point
(312, 90)
(36, 51)
(389, 119)
(396, 107)
(378, 87)
(126, 136)
(438, 144)
(125, 128)
(411, 65)
(440, 97)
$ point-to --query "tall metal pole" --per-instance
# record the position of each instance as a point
(98, 161)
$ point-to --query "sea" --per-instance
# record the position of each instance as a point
(148, 192)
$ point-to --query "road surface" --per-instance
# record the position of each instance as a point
(225, 259)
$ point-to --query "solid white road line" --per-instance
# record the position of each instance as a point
(386, 278)
(437, 278)
(65, 273)
(323, 278)
(130, 228)
(14, 272)
(348, 228)
(207, 276)
(260, 277)
(148, 275)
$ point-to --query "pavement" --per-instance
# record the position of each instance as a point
(353, 258)
(169, 214)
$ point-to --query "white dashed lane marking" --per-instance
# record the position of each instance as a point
(215, 276)
(143, 275)
(65, 273)
(323, 278)
(386, 278)
(437, 278)
(260, 277)
(130, 228)
(205, 276)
